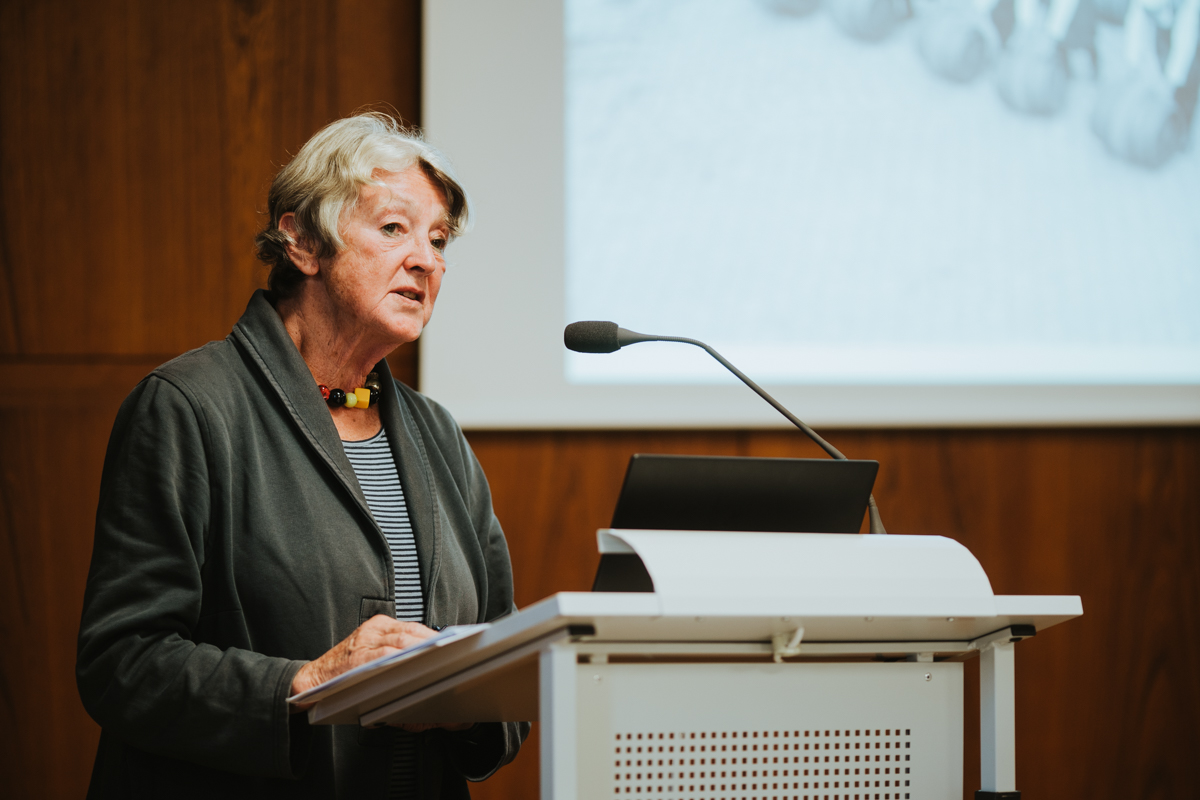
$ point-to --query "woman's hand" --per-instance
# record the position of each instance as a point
(378, 636)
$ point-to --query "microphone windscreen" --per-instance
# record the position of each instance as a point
(591, 337)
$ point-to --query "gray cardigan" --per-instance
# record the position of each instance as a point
(233, 543)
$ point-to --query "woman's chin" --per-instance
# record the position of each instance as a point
(404, 328)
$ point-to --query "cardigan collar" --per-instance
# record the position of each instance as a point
(261, 334)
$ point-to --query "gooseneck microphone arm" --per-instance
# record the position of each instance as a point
(607, 337)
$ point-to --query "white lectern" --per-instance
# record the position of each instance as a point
(763, 666)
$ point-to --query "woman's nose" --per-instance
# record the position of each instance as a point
(423, 259)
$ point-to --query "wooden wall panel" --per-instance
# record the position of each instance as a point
(1106, 704)
(137, 144)
(49, 486)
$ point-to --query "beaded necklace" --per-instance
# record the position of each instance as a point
(361, 397)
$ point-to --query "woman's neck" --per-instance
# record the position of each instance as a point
(337, 355)
(338, 358)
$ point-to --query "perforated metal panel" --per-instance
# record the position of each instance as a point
(770, 732)
(764, 765)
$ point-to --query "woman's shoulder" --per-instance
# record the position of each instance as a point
(204, 375)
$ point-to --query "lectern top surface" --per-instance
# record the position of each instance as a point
(618, 616)
(634, 621)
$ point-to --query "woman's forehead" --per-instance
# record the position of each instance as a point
(409, 190)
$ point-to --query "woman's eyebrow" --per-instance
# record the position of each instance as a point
(401, 204)
(396, 203)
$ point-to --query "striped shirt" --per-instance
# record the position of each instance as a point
(377, 475)
(376, 470)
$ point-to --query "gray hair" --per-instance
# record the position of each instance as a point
(325, 178)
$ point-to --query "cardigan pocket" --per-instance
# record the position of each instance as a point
(371, 606)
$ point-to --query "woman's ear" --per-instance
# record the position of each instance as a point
(300, 248)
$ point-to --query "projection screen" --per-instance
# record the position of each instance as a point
(887, 213)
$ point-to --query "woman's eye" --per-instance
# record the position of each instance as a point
(439, 244)
(392, 229)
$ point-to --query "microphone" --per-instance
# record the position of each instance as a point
(606, 337)
(594, 336)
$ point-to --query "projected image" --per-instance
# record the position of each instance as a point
(887, 191)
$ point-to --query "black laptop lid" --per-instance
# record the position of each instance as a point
(725, 493)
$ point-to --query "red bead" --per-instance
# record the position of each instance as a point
(324, 391)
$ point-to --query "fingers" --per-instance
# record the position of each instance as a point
(380, 623)
(378, 636)
(381, 635)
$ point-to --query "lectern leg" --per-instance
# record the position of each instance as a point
(997, 721)
(557, 696)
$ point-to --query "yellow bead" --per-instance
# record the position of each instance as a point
(351, 399)
(364, 397)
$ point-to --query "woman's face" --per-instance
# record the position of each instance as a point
(384, 283)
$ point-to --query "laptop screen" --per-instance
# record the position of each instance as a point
(727, 493)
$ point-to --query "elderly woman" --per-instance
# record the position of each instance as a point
(276, 509)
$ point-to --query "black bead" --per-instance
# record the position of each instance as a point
(337, 397)
(374, 394)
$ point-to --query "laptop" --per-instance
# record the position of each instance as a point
(728, 493)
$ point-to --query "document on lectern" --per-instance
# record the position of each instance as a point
(360, 673)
